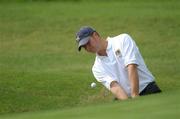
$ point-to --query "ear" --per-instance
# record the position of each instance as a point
(95, 35)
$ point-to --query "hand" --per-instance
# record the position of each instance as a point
(118, 91)
(134, 95)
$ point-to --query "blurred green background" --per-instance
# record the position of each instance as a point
(41, 69)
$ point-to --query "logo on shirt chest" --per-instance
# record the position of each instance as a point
(118, 53)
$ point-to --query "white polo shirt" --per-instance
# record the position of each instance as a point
(121, 51)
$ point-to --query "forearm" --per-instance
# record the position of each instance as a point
(134, 80)
(118, 91)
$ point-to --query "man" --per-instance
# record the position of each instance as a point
(119, 65)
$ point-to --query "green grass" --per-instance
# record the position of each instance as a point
(41, 69)
(155, 106)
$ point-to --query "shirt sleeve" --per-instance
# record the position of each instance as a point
(101, 76)
(129, 51)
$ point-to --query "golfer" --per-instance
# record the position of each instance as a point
(118, 65)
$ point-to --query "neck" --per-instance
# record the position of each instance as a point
(103, 47)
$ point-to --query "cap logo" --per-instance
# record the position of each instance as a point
(77, 39)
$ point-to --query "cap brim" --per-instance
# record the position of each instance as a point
(82, 42)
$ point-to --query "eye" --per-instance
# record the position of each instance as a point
(88, 42)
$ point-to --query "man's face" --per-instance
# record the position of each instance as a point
(93, 44)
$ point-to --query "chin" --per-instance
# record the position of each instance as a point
(93, 52)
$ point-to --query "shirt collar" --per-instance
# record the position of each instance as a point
(109, 44)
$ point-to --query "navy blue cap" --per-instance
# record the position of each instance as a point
(83, 36)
